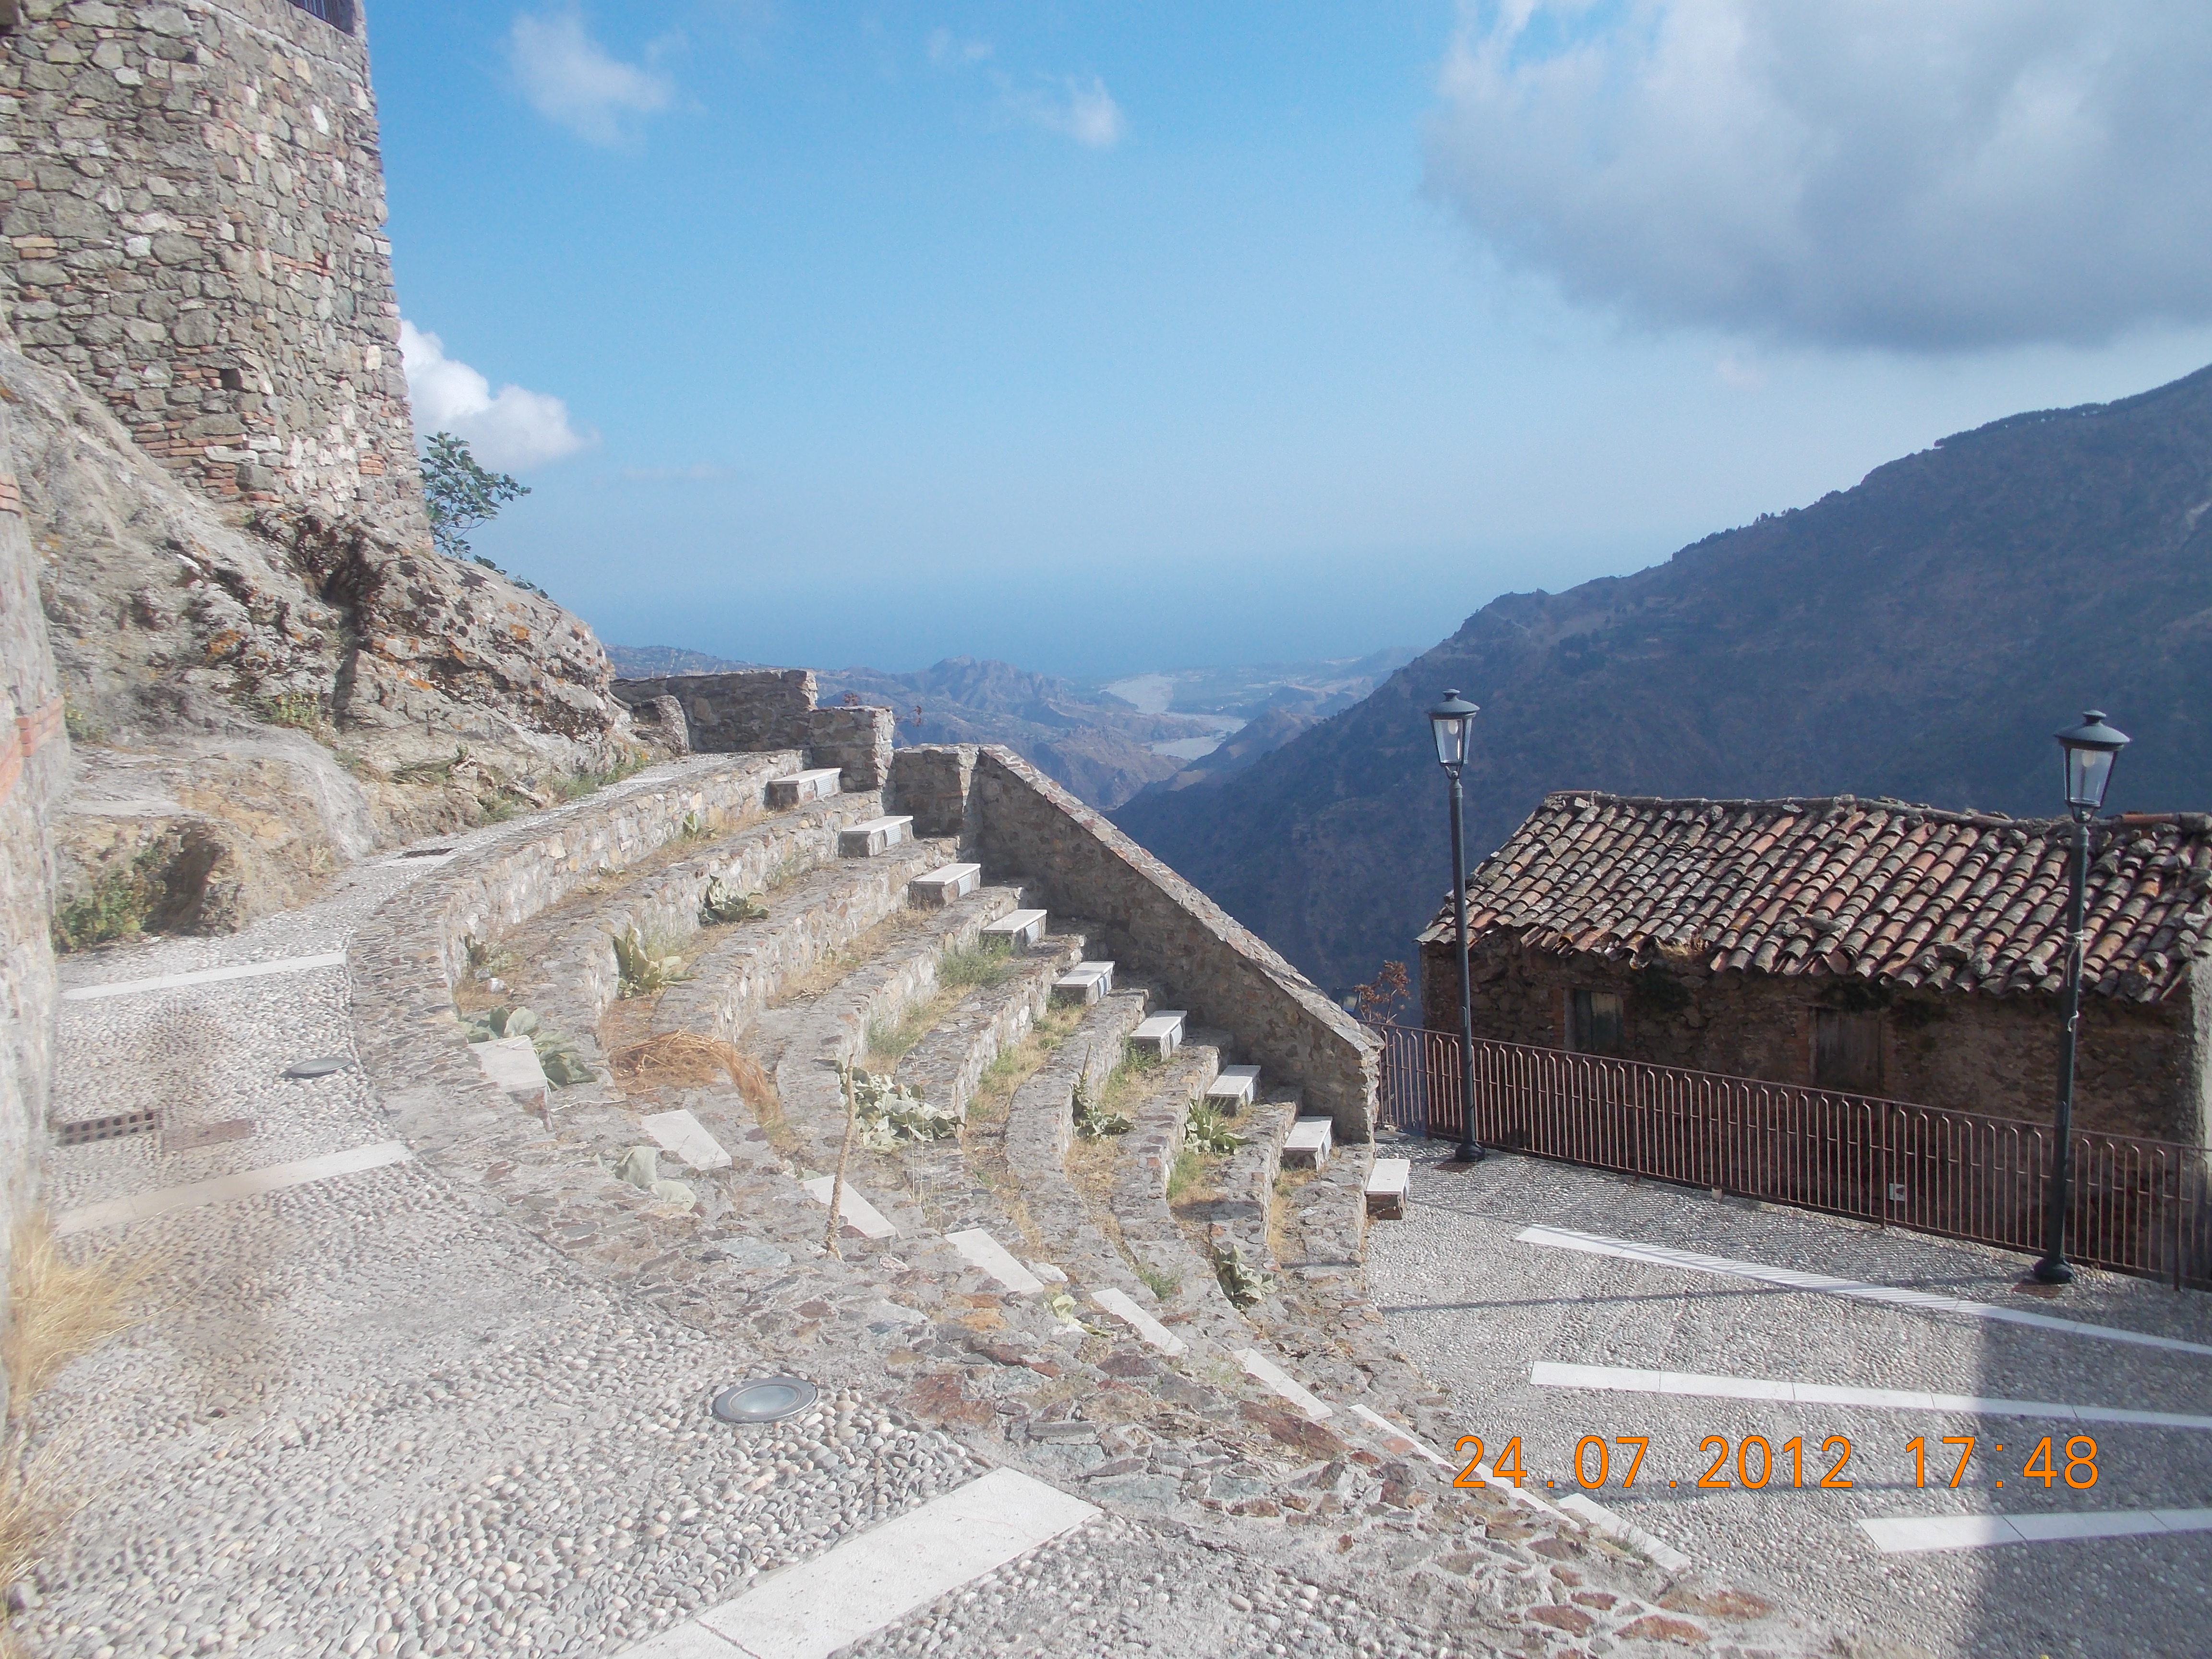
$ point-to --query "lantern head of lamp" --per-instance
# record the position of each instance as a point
(2090, 749)
(1450, 721)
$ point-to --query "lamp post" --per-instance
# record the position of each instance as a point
(1450, 721)
(2090, 749)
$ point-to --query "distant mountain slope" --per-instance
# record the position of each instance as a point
(1921, 635)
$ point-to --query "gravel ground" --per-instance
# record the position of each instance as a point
(1476, 1308)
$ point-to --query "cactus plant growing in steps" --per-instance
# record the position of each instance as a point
(887, 1113)
(643, 966)
(723, 902)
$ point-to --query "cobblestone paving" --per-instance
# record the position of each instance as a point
(456, 1404)
(1476, 1308)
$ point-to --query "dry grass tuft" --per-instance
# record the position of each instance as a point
(59, 1309)
(684, 1059)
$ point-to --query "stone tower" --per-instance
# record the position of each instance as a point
(191, 202)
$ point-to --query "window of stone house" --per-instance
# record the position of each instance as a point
(1594, 1024)
(1847, 1052)
(338, 13)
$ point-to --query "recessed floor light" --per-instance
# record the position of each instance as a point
(765, 1400)
(323, 1067)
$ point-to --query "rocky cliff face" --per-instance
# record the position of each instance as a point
(257, 701)
(1921, 635)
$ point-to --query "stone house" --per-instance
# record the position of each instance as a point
(1868, 947)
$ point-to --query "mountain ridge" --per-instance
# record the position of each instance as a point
(1919, 635)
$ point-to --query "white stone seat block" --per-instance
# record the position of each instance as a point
(1235, 1087)
(512, 1063)
(1307, 1146)
(1080, 988)
(1387, 1184)
(1257, 1364)
(1161, 1034)
(1123, 1307)
(685, 1135)
(946, 883)
(855, 1211)
(799, 786)
(979, 1249)
(1023, 928)
(1104, 971)
(865, 840)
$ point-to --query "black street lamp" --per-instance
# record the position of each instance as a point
(2090, 749)
(1451, 720)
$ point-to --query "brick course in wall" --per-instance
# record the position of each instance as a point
(192, 213)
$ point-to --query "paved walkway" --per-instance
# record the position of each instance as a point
(1527, 1288)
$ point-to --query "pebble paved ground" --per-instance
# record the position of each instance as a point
(374, 1415)
(1477, 1309)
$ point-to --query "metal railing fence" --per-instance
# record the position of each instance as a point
(2137, 1205)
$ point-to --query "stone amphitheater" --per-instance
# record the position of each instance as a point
(440, 1324)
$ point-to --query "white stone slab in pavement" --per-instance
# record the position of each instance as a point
(1023, 927)
(1257, 1364)
(249, 1183)
(865, 840)
(1660, 1255)
(123, 987)
(877, 1579)
(1622, 1379)
(512, 1063)
(1974, 1532)
(1123, 1307)
(946, 883)
(852, 1210)
(1388, 1183)
(1234, 1088)
(1391, 1432)
(979, 1249)
(1648, 1545)
(685, 1135)
(1160, 1034)
(1307, 1146)
(819, 784)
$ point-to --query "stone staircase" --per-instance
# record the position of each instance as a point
(1028, 1288)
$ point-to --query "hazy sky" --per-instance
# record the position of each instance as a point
(1102, 338)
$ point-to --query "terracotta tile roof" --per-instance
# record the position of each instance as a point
(1874, 890)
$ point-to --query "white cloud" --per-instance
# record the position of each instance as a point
(1924, 174)
(946, 52)
(1086, 113)
(511, 428)
(569, 78)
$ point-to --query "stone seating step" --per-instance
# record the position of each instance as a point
(1023, 928)
(1084, 984)
(1386, 1183)
(1307, 1146)
(979, 1249)
(685, 1135)
(855, 1211)
(945, 883)
(1161, 1034)
(947, 1064)
(877, 835)
(818, 785)
(1234, 1088)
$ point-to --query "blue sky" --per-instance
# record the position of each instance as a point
(1111, 338)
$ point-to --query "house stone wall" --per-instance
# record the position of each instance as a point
(191, 213)
(2140, 1069)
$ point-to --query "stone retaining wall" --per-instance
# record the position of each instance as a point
(194, 227)
(33, 769)
(1201, 957)
(775, 708)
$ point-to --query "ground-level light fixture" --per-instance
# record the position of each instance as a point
(765, 1400)
(2090, 749)
(1450, 722)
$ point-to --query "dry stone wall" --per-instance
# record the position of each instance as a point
(773, 708)
(191, 200)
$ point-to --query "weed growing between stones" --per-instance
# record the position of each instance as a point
(645, 964)
(984, 967)
(722, 902)
(302, 711)
(80, 725)
(116, 906)
(1241, 1282)
(1163, 1284)
(892, 1036)
(577, 785)
(1188, 1180)
(1093, 1122)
